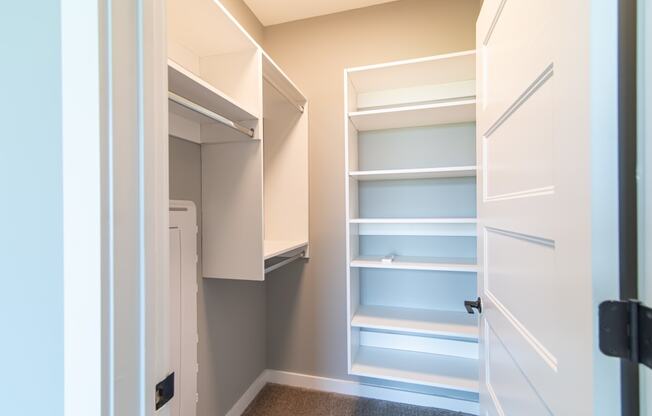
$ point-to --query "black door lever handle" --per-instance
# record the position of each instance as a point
(473, 304)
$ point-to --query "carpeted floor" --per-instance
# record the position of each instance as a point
(276, 400)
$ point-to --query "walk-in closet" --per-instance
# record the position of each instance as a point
(326, 208)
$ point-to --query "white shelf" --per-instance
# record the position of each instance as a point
(280, 81)
(418, 321)
(191, 87)
(460, 111)
(418, 368)
(438, 69)
(455, 227)
(275, 248)
(424, 173)
(417, 263)
(413, 221)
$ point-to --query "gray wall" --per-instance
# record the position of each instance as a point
(31, 252)
(306, 308)
(231, 314)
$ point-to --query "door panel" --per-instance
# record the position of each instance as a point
(510, 391)
(515, 46)
(517, 166)
(534, 207)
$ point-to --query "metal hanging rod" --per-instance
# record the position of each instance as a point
(208, 113)
(299, 107)
(284, 262)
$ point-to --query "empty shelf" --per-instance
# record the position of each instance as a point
(282, 83)
(417, 263)
(461, 111)
(413, 221)
(275, 248)
(457, 227)
(417, 367)
(191, 87)
(426, 173)
(417, 321)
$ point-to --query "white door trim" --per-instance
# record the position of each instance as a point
(604, 192)
(115, 204)
(645, 181)
(82, 209)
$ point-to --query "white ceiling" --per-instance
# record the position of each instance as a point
(272, 12)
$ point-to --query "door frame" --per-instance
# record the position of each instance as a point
(644, 150)
(115, 184)
(627, 184)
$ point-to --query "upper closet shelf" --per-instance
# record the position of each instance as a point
(191, 87)
(425, 173)
(459, 111)
(277, 79)
(186, 108)
(275, 248)
(201, 113)
(432, 70)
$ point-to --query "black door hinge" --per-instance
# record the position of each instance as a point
(164, 391)
(626, 331)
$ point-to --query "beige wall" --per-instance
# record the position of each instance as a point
(306, 326)
(247, 19)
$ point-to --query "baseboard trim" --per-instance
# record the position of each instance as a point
(245, 400)
(350, 388)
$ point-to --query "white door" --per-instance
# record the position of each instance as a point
(546, 226)
(183, 308)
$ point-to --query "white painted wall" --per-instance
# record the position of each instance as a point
(31, 251)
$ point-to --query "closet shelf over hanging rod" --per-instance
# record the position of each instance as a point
(278, 89)
(284, 262)
(280, 82)
(210, 114)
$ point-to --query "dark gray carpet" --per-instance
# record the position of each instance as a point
(276, 400)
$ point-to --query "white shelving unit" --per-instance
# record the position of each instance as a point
(251, 121)
(411, 222)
